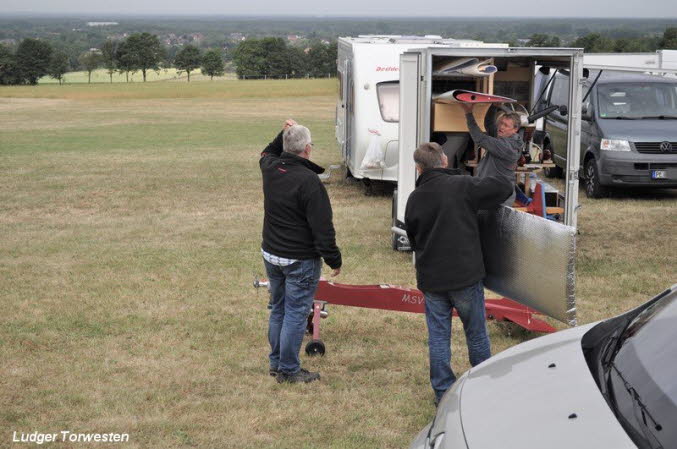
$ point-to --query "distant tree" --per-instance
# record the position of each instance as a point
(8, 69)
(249, 58)
(669, 41)
(188, 59)
(543, 40)
(321, 59)
(145, 52)
(124, 59)
(212, 63)
(109, 57)
(90, 61)
(593, 43)
(58, 65)
(32, 60)
(267, 57)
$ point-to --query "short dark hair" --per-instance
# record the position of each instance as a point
(429, 155)
(514, 117)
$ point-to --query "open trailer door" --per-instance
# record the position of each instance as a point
(411, 86)
(528, 258)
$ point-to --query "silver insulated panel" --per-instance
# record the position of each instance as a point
(531, 260)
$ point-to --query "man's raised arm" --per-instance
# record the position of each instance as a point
(498, 148)
(275, 147)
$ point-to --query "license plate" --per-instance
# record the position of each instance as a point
(658, 174)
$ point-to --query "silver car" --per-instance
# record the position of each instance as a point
(605, 385)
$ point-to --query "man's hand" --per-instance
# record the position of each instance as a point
(289, 122)
(335, 272)
(467, 107)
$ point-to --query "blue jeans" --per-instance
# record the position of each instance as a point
(292, 289)
(469, 303)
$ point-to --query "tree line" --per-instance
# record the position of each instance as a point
(272, 57)
(140, 52)
(268, 57)
(600, 43)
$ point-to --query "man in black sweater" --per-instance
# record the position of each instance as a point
(442, 226)
(297, 234)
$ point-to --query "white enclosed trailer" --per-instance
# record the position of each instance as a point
(652, 62)
(528, 258)
(368, 107)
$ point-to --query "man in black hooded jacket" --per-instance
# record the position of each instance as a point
(297, 234)
(442, 226)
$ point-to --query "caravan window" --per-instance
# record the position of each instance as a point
(389, 100)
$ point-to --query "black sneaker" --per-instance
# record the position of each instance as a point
(303, 375)
(273, 372)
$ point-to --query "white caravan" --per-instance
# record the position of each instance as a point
(368, 107)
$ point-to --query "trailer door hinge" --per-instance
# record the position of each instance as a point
(421, 78)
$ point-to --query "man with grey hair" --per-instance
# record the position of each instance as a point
(297, 234)
(502, 152)
(443, 230)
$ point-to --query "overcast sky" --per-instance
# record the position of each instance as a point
(495, 8)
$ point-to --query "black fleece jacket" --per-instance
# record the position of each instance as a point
(442, 226)
(297, 221)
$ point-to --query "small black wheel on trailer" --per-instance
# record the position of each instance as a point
(315, 347)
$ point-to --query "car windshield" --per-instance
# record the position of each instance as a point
(642, 377)
(637, 100)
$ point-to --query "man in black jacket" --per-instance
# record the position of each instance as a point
(297, 234)
(442, 226)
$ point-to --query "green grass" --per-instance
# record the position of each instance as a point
(129, 237)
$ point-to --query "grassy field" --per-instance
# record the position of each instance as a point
(129, 238)
(102, 76)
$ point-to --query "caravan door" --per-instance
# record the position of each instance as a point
(342, 106)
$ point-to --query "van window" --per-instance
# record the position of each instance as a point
(637, 100)
(560, 93)
(389, 100)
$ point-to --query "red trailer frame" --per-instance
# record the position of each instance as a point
(401, 299)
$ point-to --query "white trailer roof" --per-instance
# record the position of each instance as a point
(417, 40)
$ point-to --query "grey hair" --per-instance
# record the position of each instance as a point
(295, 138)
(429, 155)
(513, 116)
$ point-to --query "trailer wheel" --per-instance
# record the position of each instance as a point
(315, 347)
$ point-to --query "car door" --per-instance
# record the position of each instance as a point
(556, 122)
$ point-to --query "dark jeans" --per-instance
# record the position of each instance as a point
(292, 289)
(469, 303)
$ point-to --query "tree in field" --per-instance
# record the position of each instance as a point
(250, 59)
(188, 59)
(145, 52)
(8, 68)
(109, 58)
(124, 59)
(32, 60)
(212, 63)
(669, 41)
(321, 59)
(90, 61)
(58, 65)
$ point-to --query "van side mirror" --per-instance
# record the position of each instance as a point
(586, 111)
(563, 110)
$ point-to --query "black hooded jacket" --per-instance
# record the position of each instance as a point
(297, 222)
(442, 226)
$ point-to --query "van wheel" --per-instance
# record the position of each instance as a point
(554, 172)
(593, 189)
